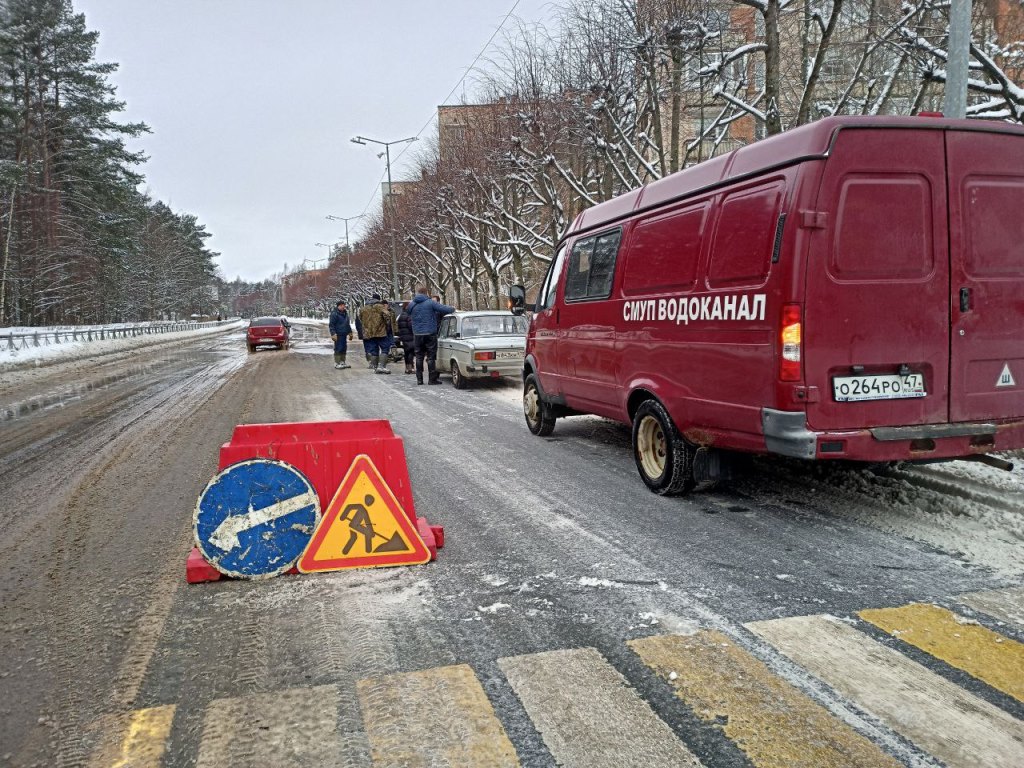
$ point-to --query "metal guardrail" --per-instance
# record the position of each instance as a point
(43, 338)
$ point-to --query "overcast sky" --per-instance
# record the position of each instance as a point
(252, 104)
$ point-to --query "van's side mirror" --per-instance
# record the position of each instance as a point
(517, 300)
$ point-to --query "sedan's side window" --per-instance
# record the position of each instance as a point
(446, 327)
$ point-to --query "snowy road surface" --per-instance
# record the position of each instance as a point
(802, 616)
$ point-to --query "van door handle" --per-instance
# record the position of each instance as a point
(965, 299)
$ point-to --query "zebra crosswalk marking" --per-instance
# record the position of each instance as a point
(588, 715)
(951, 724)
(296, 726)
(977, 650)
(774, 724)
(1004, 604)
(439, 716)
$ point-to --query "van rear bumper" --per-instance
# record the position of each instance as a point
(786, 433)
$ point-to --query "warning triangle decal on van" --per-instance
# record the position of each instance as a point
(1006, 378)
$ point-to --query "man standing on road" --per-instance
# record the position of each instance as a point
(407, 336)
(424, 313)
(341, 333)
(375, 319)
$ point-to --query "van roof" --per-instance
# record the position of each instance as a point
(808, 142)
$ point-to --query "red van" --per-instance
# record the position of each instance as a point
(851, 289)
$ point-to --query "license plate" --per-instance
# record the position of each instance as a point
(507, 354)
(892, 386)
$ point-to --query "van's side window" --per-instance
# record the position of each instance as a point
(550, 287)
(592, 266)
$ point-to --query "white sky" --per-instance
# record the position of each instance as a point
(252, 104)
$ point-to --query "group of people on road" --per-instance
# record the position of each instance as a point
(376, 325)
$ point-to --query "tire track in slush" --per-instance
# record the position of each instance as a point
(75, 623)
(187, 397)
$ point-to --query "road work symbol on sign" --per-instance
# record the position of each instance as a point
(1006, 377)
(364, 526)
(255, 518)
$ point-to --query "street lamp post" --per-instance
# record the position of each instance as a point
(322, 288)
(387, 155)
(346, 219)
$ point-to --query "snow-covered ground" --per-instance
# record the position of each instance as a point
(32, 356)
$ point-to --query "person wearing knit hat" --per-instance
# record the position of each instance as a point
(341, 333)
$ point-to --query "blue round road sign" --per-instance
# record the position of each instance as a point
(255, 518)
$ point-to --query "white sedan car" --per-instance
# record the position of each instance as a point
(479, 345)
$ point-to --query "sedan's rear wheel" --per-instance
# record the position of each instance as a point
(457, 378)
(663, 457)
(252, 348)
(538, 416)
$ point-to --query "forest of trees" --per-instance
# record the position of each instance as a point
(618, 93)
(78, 242)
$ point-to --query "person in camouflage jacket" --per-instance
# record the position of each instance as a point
(378, 323)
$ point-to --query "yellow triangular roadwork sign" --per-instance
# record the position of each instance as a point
(364, 526)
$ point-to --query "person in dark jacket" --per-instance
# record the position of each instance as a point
(424, 314)
(366, 347)
(408, 337)
(341, 333)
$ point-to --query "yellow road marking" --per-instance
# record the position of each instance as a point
(953, 725)
(977, 650)
(776, 725)
(1005, 604)
(145, 739)
(435, 717)
(589, 716)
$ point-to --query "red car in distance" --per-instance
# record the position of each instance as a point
(267, 330)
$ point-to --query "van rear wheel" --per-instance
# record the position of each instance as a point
(663, 457)
(538, 416)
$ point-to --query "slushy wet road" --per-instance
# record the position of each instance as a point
(798, 616)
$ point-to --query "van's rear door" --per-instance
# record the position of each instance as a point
(986, 202)
(877, 311)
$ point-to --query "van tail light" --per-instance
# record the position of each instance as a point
(791, 345)
(483, 355)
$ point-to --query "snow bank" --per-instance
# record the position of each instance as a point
(13, 359)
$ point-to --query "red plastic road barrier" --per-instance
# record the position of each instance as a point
(323, 451)
(198, 571)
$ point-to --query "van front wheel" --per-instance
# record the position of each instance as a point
(538, 417)
(663, 457)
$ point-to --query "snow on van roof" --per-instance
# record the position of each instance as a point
(806, 142)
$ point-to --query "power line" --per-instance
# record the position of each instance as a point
(433, 116)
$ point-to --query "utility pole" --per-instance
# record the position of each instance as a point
(958, 54)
